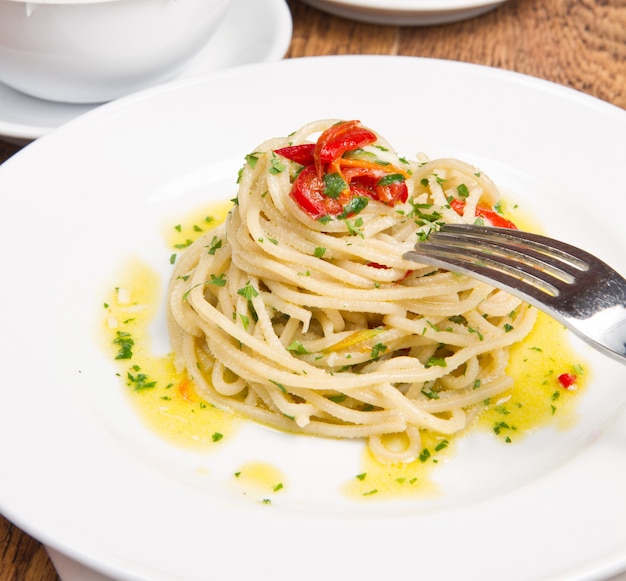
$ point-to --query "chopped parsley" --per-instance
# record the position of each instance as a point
(389, 179)
(125, 343)
(248, 292)
(252, 159)
(139, 381)
(276, 166)
(462, 191)
(334, 184)
(354, 206)
(215, 245)
(298, 348)
(378, 349)
(435, 361)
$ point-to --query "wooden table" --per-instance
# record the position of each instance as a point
(578, 43)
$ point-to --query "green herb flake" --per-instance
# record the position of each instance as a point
(334, 184)
(219, 280)
(389, 179)
(248, 292)
(125, 343)
(252, 159)
(442, 445)
(353, 229)
(139, 381)
(279, 386)
(462, 191)
(435, 362)
(298, 348)
(460, 319)
(337, 398)
(276, 166)
(215, 245)
(429, 393)
(353, 207)
(184, 244)
(216, 437)
(245, 320)
(478, 333)
(377, 350)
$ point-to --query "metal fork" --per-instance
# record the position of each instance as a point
(571, 285)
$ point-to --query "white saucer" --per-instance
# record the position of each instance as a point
(406, 12)
(252, 32)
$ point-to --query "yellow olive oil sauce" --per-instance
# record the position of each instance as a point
(165, 399)
(260, 479)
(169, 404)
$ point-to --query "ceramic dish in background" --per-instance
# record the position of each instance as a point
(83, 474)
(406, 12)
(91, 51)
(251, 32)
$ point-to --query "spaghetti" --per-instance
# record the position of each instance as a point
(300, 311)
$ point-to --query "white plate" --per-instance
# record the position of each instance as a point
(407, 12)
(252, 32)
(80, 471)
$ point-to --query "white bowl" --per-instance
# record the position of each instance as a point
(89, 51)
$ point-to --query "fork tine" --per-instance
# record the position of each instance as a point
(512, 259)
(536, 268)
(527, 240)
(502, 272)
(556, 261)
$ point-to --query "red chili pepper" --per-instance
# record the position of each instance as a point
(393, 193)
(364, 181)
(363, 178)
(567, 380)
(308, 192)
(302, 154)
(484, 212)
(339, 138)
(383, 266)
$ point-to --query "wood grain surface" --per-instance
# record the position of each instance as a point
(577, 43)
